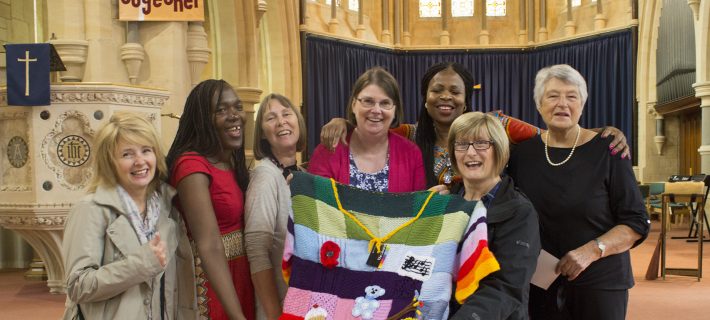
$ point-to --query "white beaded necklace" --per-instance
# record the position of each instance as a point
(547, 155)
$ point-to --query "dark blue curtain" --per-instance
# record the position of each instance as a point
(507, 78)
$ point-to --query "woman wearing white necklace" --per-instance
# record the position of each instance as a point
(280, 132)
(590, 208)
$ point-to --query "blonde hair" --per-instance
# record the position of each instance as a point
(472, 124)
(131, 128)
(262, 148)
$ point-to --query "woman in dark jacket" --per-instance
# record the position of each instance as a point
(481, 151)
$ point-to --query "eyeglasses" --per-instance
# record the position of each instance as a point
(371, 103)
(477, 145)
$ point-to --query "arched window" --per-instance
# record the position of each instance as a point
(462, 8)
(495, 8)
(576, 3)
(429, 8)
(328, 2)
(353, 5)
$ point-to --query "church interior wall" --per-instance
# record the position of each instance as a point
(250, 51)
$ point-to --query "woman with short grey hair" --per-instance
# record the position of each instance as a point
(590, 208)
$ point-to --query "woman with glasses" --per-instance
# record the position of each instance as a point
(208, 168)
(374, 159)
(481, 151)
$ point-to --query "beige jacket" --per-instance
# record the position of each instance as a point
(111, 276)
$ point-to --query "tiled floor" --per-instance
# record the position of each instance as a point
(677, 298)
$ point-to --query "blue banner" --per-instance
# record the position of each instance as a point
(28, 74)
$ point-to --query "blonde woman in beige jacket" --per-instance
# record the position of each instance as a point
(126, 253)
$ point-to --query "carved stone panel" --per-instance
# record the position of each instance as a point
(66, 150)
(16, 167)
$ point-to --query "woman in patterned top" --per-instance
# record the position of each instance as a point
(374, 159)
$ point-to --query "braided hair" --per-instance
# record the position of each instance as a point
(426, 134)
(196, 131)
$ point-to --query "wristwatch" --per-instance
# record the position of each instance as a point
(601, 246)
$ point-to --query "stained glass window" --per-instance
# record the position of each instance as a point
(576, 3)
(429, 8)
(462, 8)
(353, 5)
(495, 8)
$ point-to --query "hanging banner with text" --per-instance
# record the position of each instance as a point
(161, 10)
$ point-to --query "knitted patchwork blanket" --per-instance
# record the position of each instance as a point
(355, 254)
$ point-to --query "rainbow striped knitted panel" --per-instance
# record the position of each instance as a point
(326, 252)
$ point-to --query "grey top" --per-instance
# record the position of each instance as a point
(268, 205)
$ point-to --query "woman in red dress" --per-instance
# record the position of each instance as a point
(208, 168)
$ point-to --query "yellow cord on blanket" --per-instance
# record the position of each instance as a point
(377, 242)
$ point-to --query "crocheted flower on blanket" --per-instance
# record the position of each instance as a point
(366, 306)
(329, 253)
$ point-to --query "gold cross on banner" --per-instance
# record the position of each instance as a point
(27, 61)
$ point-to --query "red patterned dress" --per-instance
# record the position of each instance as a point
(228, 204)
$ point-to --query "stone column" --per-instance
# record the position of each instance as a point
(702, 91)
(397, 24)
(303, 8)
(570, 26)
(444, 39)
(333, 23)
(599, 18)
(542, 32)
(523, 33)
(68, 25)
(386, 36)
(483, 36)
(660, 137)
(250, 98)
(132, 52)
(198, 51)
(406, 37)
(360, 30)
(531, 21)
(701, 19)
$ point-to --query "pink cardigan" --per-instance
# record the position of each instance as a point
(405, 160)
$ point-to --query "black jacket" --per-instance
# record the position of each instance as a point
(514, 239)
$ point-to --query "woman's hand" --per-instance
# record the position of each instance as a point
(619, 143)
(333, 132)
(159, 249)
(577, 260)
(441, 189)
